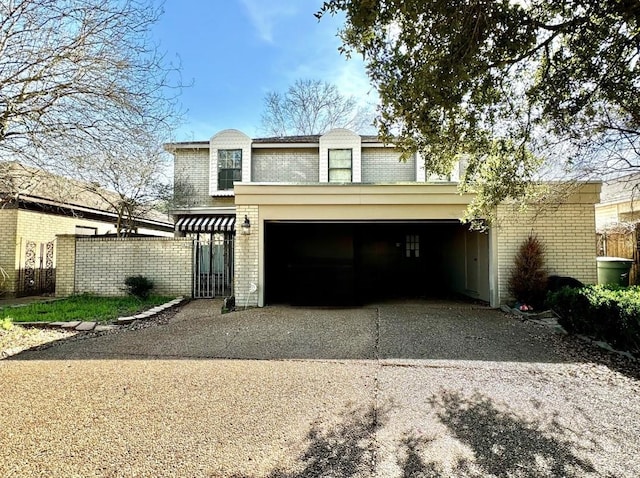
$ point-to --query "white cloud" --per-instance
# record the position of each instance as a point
(351, 79)
(265, 15)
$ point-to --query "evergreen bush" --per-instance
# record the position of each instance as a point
(608, 313)
(528, 280)
(138, 286)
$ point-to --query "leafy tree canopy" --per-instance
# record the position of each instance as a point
(518, 89)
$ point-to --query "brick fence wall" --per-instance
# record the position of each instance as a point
(99, 265)
(567, 233)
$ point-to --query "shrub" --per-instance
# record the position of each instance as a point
(229, 304)
(138, 286)
(608, 313)
(528, 280)
(6, 323)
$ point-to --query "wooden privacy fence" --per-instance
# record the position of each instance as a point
(621, 240)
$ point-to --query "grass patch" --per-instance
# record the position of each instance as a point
(82, 307)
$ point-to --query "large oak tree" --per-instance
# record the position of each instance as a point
(521, 90)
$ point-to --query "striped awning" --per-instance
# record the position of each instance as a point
(206, 224)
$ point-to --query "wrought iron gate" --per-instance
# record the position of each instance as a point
(36, 275)
(213, 265)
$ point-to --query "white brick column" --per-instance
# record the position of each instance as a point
(246, 268)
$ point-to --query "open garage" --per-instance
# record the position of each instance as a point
(359, 262)
(363, 243)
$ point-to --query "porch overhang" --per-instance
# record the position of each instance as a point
(206, 224)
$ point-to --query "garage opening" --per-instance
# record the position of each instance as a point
(354, 263)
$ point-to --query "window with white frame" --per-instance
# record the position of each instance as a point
(229, 168)
(340, 161)
(413, 245)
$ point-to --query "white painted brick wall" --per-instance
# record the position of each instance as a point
(285, 165)
(102, 264)
(247, 258)
(568, 233)
(8, 228)
(383, 165)
(192, 167)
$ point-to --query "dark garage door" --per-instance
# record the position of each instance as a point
(338, 263)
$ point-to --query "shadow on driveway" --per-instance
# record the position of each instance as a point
(397, 331)
(502, 444)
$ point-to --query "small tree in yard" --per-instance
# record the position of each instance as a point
(528, 280)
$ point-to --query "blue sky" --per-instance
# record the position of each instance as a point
(233, 52)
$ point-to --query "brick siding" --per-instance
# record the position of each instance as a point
(285, 166)
(101, 264)
(568, 233)
(8, 227)
(17, 226)
(383, 165)
(246, 258)
(191, 166)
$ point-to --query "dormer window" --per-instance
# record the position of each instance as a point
(229, 168)
(340, 165)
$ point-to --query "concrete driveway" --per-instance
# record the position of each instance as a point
(418, 389)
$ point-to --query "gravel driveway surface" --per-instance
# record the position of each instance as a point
(409, 390)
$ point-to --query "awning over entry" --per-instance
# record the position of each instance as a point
(206, 224)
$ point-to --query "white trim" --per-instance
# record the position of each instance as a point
(285, 145)
(494, 289)
(421, 175)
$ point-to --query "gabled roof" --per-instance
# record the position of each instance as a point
(27, 184)
(314, 138)
(299, 139)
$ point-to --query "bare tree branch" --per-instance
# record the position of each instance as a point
(312, 107)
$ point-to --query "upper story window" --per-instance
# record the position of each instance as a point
(340, 163)
(229, 168)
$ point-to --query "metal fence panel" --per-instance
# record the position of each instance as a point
(213, 265)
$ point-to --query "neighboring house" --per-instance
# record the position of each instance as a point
(619, 201)
(337, 219)
(35, 206)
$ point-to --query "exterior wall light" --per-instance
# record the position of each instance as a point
(246, 226)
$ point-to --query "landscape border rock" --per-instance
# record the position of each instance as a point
(89, 326)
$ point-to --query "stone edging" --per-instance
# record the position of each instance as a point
(81, 326)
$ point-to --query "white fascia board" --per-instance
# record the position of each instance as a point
(284, 145)
(195, 145)
(203, 210)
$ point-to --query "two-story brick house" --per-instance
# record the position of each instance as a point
(338, 219)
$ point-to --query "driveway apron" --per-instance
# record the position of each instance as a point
(420, 389)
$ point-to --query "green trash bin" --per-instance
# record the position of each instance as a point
(614, 270)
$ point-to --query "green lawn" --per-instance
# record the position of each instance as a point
(81, 307)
